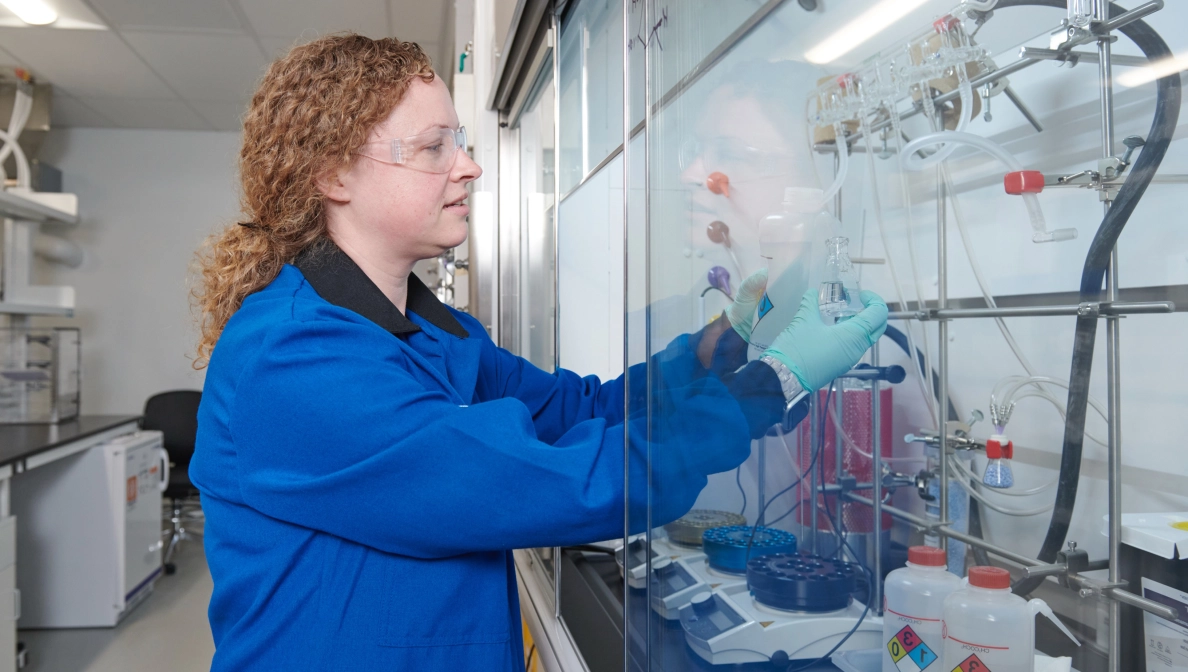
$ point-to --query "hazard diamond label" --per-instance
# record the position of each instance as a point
(972, 664)
(765, 306)
(909, 652)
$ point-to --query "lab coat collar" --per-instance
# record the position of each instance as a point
(339, 280)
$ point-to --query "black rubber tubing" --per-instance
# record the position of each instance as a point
(1167, 114)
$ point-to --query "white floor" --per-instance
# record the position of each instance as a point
(168, 631)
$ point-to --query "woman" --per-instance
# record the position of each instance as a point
(366, 455)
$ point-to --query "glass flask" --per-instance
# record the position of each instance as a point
(838, 293)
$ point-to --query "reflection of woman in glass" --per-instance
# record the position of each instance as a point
(750, 145)
(752, 130)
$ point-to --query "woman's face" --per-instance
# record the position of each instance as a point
(413, 214)
(760, 153)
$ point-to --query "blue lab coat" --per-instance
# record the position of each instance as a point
(364, 473)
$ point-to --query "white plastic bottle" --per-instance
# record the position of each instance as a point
(914, 602)
(990, 629)
(791, 248)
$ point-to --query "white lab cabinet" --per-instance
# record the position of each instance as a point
(9, 597)
(90, 533)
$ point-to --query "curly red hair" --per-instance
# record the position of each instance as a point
(313, 109)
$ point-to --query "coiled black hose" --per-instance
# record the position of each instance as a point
(1167, 114)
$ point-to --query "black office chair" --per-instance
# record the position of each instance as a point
(175, 414)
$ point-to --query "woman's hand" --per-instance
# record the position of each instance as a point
(815, 352)
(741, 312)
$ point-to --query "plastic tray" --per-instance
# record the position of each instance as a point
(859, 660)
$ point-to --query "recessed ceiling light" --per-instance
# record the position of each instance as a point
(32, 12)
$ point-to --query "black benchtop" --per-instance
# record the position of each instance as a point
(18, 442)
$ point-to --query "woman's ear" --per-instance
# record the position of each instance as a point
(331, 184)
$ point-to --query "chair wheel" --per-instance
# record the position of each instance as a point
(170, 568)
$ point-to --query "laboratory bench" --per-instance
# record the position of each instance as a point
(24, 448)
(21, 443)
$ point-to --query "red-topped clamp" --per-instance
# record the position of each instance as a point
(1023, 182)
(945, 23)
(996, 449)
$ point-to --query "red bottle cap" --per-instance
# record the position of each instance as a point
(997, 450)
(989, 577)
(945, 23)
(927, 556)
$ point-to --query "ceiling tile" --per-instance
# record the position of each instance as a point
(276, 47)
(417, 20)
(206, 67)
(311, 18)
(200, 15)
(66, 112)
(148, 113)
(220, 115)
(84, 62)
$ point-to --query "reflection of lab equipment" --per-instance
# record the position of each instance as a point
(39, 374)
(838, 294)
(796, 607)
(790, 249)
(989, 628)
(90, 533)
(718, 232)
(914, 604)
(719, 278)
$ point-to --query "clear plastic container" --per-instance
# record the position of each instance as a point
(914, 602)
(790, 248)
(39, 375)
(987, 627)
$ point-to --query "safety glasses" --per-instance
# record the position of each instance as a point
(430, 152)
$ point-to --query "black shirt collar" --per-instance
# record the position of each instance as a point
(339, 280)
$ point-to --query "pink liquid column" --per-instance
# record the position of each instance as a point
(856, 422)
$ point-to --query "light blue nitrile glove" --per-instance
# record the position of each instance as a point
(741, 312)
(815, 352)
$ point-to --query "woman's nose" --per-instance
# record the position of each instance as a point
(465, 168)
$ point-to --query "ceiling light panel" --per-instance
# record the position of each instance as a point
(32, 12)
(72, 15)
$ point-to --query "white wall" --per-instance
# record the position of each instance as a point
(147, 200)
